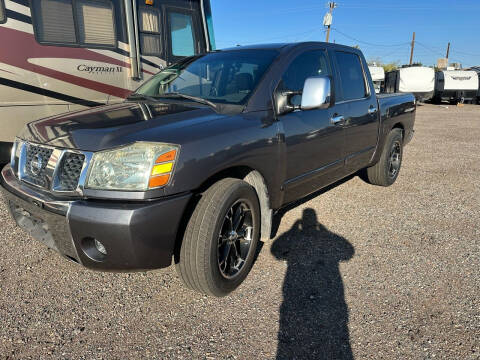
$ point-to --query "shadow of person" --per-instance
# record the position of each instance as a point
(313, 315)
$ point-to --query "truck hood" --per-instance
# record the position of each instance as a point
(110, 126)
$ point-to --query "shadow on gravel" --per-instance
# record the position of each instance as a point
(313, 315)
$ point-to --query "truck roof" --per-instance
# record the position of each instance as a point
(284, 46)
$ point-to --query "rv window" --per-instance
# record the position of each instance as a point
(95, 22)
(181, 31)
(75, 22)
(54, 21)
(3, 15)
(351, 76)
(150, 36)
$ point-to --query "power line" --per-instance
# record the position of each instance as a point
(369, 43)
(284, 36)
(464, 53)
(436, 52)
(430, 49)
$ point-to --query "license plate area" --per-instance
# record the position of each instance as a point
(37, 227)
(49, 228)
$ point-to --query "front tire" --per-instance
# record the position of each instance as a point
(385, 172)
(221, 238)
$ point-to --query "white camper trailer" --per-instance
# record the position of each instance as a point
(419, 80)
(378, 77)
(64, 55)
(456, 86)
(477, 70)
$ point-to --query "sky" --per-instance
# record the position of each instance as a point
(382, 29)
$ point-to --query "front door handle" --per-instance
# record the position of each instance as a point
(372, 110)
(338, 120)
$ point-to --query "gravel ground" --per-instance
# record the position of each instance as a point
(357, 271)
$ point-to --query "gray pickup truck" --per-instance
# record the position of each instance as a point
(192, 167)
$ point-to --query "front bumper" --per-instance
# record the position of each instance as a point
(137, 236)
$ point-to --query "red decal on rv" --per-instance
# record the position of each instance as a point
(7, 71)
(24, 46)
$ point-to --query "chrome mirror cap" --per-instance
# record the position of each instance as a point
(316, 93)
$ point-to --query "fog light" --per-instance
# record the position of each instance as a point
(94, 249)
(100, 247)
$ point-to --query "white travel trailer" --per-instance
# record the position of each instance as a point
(64, 55)
(378, 77)
(456, 86)
(477, 70)
(419, 80)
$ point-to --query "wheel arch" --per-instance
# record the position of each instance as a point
(400, 126)
(246, 173)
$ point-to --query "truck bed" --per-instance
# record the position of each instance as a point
(395, 109)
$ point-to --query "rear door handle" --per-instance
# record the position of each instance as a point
(372, 110)
(338, 120)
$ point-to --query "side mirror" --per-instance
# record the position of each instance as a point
(316, 93)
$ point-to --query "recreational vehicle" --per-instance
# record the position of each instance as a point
(477, 70)
(64, 55)
(456, 86)
(419, 80)
(378, 77)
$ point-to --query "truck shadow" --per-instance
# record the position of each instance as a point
(313, 315)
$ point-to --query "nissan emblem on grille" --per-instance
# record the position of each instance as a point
(37, 158)
(36, 164)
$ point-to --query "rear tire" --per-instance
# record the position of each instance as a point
(221, 238)
(385, 172)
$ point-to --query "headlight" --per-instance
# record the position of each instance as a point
(137, 167)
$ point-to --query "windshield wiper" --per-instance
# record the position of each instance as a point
(189, 97)
(142, 97)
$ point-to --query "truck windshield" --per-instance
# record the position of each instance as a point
(220, 77)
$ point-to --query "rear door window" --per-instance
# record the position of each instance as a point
(352, 77)
(3, 15)
(182, 36)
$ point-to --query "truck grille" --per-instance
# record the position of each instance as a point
(51, 168)
(70, 170)
(36, 162)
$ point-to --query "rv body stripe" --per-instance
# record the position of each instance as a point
(17, 16)
(148, 68)
(20, 8)
(148, 62)
(47, 93)
(10, 38)
(123, 46)
(20, 2)
(17, 25)
(7, 71)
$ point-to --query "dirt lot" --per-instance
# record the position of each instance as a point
(357, 271)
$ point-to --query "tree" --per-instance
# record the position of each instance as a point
(390, 66)
(386, 66)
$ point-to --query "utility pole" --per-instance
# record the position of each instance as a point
(413, 47)
(327, 20)
(448, 50)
